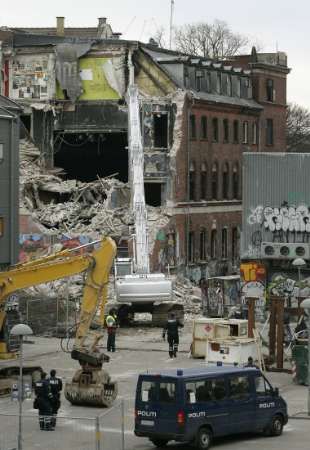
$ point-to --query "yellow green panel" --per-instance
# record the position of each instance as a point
(95, 84)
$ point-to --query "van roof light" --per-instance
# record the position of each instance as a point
(219, 363)
(179, 372)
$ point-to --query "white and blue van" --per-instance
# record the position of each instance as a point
(195, 405)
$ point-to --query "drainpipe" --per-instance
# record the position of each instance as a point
(188, 144)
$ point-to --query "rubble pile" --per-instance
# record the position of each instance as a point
(189, 295)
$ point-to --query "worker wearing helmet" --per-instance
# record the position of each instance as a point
(111, 324)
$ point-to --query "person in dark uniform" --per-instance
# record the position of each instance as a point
(43, 402)
(172, 329)
(56, 388)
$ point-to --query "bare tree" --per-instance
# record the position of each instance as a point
(215, 41)
(297, 127)
(159, 38)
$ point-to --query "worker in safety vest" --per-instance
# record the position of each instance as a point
(111, 324)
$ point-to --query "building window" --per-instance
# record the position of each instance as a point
(225, 180)
(218, 82)
(229, 89)
(236, 131)
(203, 244)
(1, 226)
(269, 131)
(235, 181)
(254, 133)
(225, 130)
(245, 137)
(214, 183)
(224, 243)
(191, 246)
(270, 92)
(192, 184)
(215, 129)
(198, 80)
(203, 182)
(1, 153)
(192, 126)
(213, 243)
(203, 127)
(160, 130)
(186, 78)
(234, 243)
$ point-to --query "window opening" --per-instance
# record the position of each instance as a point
(215, 127)
(209, 82)
(192, 184)
(1, 153)
(239, 388)
(191, 246)
(236, 131)
(225, 180)
(269, 131)
(224, 243)
(225, 130)
(229, 90)
(148, 391)
(152, 192)
(203, 127)
(213, 243)
(192, 126)
(167, 392)
(254, 133)
(218, 82)
(203, 245)
(160, 130)
(214, 182)
(245, 132)
(234, 243)
(198, 80)
(270, 90)
(205, 390)
(235, 181)
(203, 182)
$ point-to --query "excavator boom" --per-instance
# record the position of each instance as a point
(85, 350)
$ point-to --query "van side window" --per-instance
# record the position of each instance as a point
(205, 390)
(262, 386)
(148, 391)
(239, 388)
(167, 392)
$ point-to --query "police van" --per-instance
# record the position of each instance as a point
(195, 405)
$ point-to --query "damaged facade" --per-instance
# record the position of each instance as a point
(197, 116)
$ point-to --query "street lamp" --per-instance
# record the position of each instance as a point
(306, 305)
(20, 330)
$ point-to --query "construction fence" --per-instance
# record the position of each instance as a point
(103, 432)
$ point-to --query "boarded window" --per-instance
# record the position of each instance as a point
(224, 243)
(203, 127)
(269, 132)
(225, 130)
(236, 131)
(192, 126)
(225, 180)
(213, 243)
(215, 129)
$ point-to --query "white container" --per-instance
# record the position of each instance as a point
(206, 328)
(230, 351)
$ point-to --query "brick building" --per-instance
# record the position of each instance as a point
(198, 117)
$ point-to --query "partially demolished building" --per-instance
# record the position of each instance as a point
(198, 117)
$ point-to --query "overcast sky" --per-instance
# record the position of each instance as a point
(281, 24)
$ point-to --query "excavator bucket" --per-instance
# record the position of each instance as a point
(91, 387)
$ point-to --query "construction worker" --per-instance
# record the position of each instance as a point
(43, 403)
(250, 363)
(111, 324)
(172, 329)
(56, 388)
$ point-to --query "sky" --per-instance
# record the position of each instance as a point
(275, 24)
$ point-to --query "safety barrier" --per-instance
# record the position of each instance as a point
(103, 432)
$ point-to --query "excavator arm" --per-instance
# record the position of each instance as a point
(60, 265)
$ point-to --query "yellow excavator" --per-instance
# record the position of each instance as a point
(90, 384)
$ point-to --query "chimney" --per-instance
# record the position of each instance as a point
(102, 21)
(60, 26)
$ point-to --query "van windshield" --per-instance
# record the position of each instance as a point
(205, 390)
(153, 391)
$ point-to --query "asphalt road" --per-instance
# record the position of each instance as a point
(76, 425)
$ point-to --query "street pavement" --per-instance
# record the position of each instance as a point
(139, 350)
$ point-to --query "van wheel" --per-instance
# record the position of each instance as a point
(159, 442)
(204, 439)
(276, 426)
